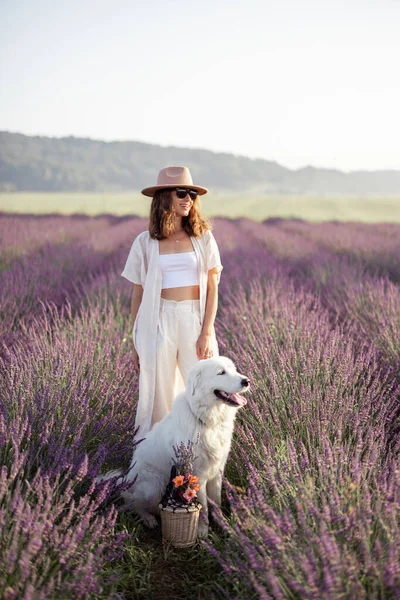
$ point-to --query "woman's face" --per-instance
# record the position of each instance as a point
(181, 206)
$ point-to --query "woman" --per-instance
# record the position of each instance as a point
(175, 267)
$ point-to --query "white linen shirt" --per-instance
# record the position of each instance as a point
(143, 268)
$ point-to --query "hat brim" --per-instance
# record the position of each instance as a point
(151, 190)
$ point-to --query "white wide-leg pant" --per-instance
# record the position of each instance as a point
(178, 331)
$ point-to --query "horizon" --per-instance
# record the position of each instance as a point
(297, 84)
(305, 167)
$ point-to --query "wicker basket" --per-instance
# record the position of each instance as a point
(179, 524)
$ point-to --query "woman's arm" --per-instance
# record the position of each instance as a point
(204, 345)
(137, 295)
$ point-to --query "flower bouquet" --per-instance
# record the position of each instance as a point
(179, 507)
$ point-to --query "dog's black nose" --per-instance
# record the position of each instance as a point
(245, 382)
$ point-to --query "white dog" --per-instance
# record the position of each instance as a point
(205, 412)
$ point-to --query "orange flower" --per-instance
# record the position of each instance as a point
(189, 494)
(193, 479)
(178, 480)
(196, 487)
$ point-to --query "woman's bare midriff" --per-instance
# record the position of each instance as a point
(189, 292)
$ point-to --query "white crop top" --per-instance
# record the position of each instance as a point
(179, 270)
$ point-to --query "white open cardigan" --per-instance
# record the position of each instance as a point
(143, 268)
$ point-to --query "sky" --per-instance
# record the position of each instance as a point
(307, 82)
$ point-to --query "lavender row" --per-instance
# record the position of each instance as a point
(23, 234)
(57, 274)
(52, 542)
(316, 450)
(67, 412)
(375, 247)
(346, 288)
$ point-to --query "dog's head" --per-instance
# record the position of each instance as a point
(213, 382)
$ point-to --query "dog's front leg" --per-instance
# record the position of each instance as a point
(203, 520)
(214, 488)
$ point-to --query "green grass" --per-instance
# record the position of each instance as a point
(227, 204)
(151, 569)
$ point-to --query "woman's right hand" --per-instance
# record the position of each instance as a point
(136, 362)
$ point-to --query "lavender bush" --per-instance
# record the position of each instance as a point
(77, 392)
(52, 543)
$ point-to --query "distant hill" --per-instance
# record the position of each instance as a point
(36, 163)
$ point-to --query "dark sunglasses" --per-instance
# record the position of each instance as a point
(182, 193)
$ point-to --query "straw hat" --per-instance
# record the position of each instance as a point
(172, 177)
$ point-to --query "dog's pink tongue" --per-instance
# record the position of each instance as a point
(241, 400)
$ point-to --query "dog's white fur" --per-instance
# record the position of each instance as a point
(197, 414)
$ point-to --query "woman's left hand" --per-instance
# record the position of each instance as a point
(203, 346)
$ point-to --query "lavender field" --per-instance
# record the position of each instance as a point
(310, 312)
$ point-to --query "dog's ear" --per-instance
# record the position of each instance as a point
(193, 382)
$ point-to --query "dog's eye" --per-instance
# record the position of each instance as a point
(221, 372)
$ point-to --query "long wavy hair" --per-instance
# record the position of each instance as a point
(162, 218)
